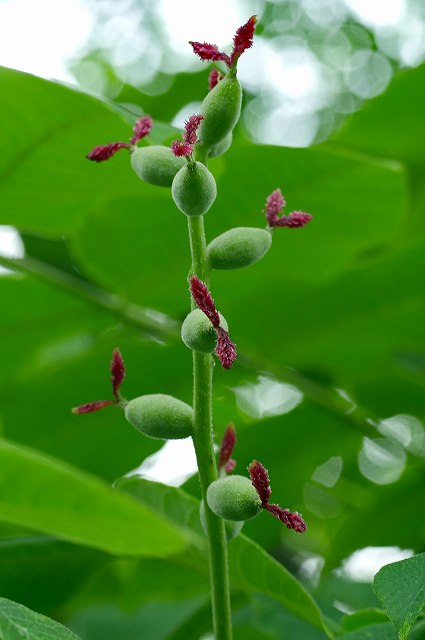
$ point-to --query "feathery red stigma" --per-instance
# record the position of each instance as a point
(243, 39)
(92, 406)
(274, 205)
(141, 129)
(225, 349)
(204, 301)
(227, 445)
(210, 52)
(214, 78)
(117, 372)
(260, 479)
(293, 520)
(105, 151)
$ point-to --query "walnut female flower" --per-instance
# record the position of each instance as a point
(225, 349)
(275, 202)
(103, 152)
(260, 481)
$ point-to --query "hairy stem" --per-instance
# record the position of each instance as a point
(202, 439)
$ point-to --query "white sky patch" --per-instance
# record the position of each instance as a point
(11, 245)
(311, 568)
(173, 464)
(363, 564)
(38, 37)
(293, 71)
(378, 13)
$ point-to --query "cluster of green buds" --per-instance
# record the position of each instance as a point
(182, 167)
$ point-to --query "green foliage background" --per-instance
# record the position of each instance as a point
(338, 305)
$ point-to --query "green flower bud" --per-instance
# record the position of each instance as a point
(221, 109)
(160, 416)
(238, 248)
(194, 189)
(233, 498)
(232, 527)
(156, 165)
(198, 333)
(221, 147)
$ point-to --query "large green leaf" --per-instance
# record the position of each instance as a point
(31, 564)
(400, 587)
(80, 508)
(17, 622)
(153, 621)
(383, 631)
(251, 568)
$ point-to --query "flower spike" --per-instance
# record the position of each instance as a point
(275, 202)
(117, 369)
(242, 41)
(226, 449)
(103, 152)
(260, 480)
(225, 349)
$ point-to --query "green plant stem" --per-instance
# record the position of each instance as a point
(198, 248)
(202, 439)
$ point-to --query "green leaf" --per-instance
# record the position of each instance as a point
(31, 564)
(52, 497)
(400, 587)
(372, 632)
(251, 568)
(361, 619)
(17, 622)
(153, 621)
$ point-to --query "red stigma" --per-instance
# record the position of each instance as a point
(227, 445)
(274, 205)
(105, 151)
(260, 480)
(141, 129)
(225, 349)
(117, 372)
